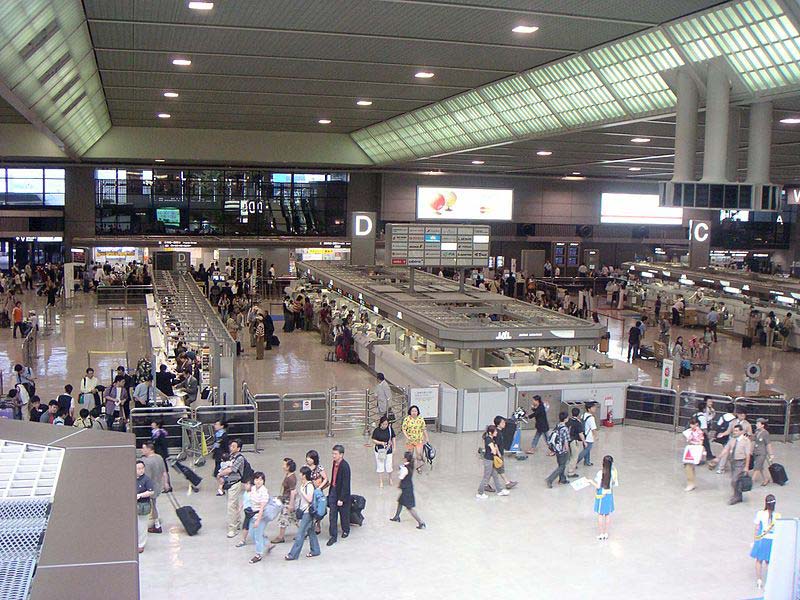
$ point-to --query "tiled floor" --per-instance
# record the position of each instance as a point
(665, 543)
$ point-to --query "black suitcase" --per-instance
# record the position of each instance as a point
(5, 322)
(744, 483)
(778, 474)
(762, 337)
(274, 341)
(747, 342)
(186, 515)
(358, 502)
(190, 475)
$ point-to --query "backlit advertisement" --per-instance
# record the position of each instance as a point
(464, 204)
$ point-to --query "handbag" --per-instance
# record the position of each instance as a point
(744, 483)
(143, 508)
(497, 461)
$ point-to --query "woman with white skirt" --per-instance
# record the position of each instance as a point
(383, 440)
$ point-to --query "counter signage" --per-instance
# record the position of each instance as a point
(427, 399)
(437, 246)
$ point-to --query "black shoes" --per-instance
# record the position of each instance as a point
(344, 535)
(421, 526)
(395, 519)
(331, 542)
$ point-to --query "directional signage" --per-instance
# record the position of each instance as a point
(437, 246)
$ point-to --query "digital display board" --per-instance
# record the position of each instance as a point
(464, 204)
(437, 245)
(169, 216)
(638, 209)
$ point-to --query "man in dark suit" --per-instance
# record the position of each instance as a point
(339, 495)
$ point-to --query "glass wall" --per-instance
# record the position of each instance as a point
(219, 202)
(31, 187)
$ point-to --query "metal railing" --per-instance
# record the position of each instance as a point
(690, 405)
(398, 405)
(651, 407)
(141, 418)
(241, 420)
(30, 345)
(123, 294)
(348, 411)
(777, 412)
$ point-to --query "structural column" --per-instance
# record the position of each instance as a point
(685, 128)
(734, 126)
(79, 200)
(759, 142)
(715, 153)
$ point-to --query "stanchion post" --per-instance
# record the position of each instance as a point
(787, 417)
(281, 417)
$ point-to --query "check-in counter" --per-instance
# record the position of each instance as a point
(468, 400)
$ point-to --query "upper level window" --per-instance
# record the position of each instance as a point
(31, 187)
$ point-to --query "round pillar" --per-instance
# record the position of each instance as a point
(715, 152)
(685, 128)
(759, 142)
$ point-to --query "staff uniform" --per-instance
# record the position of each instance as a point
(604, 497)
(762, 545)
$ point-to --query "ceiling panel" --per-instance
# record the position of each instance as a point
(8, 113)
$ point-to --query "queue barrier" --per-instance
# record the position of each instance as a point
(303, 412)
(777, 411)
(241, 419)
(651, 407)
(794, 419)
(141, 418)
(348, 411)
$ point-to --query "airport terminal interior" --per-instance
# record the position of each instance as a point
(399, 297)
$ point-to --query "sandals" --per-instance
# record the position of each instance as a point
(255, 559)
(240, 544)
(278, 541)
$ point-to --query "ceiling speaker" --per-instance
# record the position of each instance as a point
(584, 231)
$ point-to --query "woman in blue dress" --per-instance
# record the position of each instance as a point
(764, 533)
(605, 481)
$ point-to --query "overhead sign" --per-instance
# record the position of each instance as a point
(362, 238)
(699, 230)
(699, 243)
(464, 204)
(437, 246)
(364, 225)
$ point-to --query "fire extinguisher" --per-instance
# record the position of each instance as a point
(609, 420)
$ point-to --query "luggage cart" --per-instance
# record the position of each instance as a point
(193, 441)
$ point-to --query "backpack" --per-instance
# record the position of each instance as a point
(429, 452)
(247, 470)
(554, 441)
(575, 429)
(319, 505)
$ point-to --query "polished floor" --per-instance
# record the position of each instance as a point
(664, 543)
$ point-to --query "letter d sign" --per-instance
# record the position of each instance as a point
(363, 225)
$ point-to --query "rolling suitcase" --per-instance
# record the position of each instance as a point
(778, 474)
(357, 504)
(747, 342)
(186, 515)
(274, 341)
(190, 475)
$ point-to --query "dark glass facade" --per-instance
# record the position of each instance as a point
(217, 202)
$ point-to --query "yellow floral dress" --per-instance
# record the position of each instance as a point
(414, 430)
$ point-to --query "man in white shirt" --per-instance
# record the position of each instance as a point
(590, 433)
(383, 394)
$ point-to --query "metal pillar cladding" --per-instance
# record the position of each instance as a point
(734, 128)
(715, 152)
(685, 128)
(759, 142)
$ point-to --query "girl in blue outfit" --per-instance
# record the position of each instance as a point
(765, 532)
(605, 481)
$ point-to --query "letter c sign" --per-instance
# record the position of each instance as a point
(363, 225)
(699, 231)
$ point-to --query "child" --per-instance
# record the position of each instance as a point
(247, 507)
(605, 480)
(224, 464)
(765, 531)
(407, 490)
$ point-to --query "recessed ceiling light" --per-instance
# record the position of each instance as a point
(478, 162)
(576, 172)
(364, 102)
(201, 5)
(423, 75)
(159, 160)
(639, 140)
(181, 62)
(324, 121)
(791, 120)
(432, 173)
(573, 178)
(170, 94)
(635, 169)
(164, 115)
(525, 29)
(544, 153)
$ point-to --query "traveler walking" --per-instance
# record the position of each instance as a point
(383, 394)
(558, 442)
(539, 413)
(705, 416)
(305, 498)
(634, 341)
(605, 481)
(415, 432)
(590, 433)
(156, 470)
(383, 439)
(144, 492)
(288, 498)
(577, 441)
(220, 445)
(259, 497)
(501, 442)
(406, 498)
(491, 460)
(762, 450)
(739, 449)
(261, 333)
(339, 496)
(247, 511)
(763, 536)
(317, 473)
(233, 478)
(694, 437)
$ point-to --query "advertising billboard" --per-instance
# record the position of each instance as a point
(637, 209)
(464, 204)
